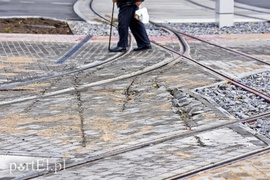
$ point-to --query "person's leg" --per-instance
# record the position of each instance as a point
(124, 17)
(138, 30)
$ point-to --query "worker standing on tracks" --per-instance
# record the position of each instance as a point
(127, 20)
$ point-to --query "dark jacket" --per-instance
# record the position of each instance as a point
(127, 2)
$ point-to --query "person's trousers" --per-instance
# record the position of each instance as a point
(127, 20)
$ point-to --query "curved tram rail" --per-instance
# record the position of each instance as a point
(233, 81)
(12, 84)
(236, 83)
(221, 164)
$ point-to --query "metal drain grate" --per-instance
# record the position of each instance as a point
(73, 50)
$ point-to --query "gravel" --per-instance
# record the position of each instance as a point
(212, 28)
(83, 28)
(238, 102)
(261, 126)
(259, 81)
(242, 104)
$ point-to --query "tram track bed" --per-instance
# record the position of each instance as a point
(136, 116)
(143, 106)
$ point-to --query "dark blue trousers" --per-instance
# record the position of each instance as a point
(127, 20)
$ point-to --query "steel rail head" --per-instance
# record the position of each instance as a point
(220, 164)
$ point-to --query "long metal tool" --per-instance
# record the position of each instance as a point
(110, 38)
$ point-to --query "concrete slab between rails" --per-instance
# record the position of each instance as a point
(249, 45)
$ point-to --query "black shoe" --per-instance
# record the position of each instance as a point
(142, 48)
(118, 49)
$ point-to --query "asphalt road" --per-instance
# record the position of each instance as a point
(59, 9)
(63, 9)
(257, 3)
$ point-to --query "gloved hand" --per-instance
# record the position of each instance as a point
(114, 1)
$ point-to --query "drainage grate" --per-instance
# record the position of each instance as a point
(73, 50)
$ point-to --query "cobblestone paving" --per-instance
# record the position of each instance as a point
(22, 60)
(227, 62)
(252, 44)
(156, 161)
(90, 122)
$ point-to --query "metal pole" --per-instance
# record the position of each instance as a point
(110, 38)
(224, 12)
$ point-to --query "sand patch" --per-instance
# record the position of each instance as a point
(183, 155)
(108, 128)
(22, 60)
(244, 69)
(58, 131)
(13, 123)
